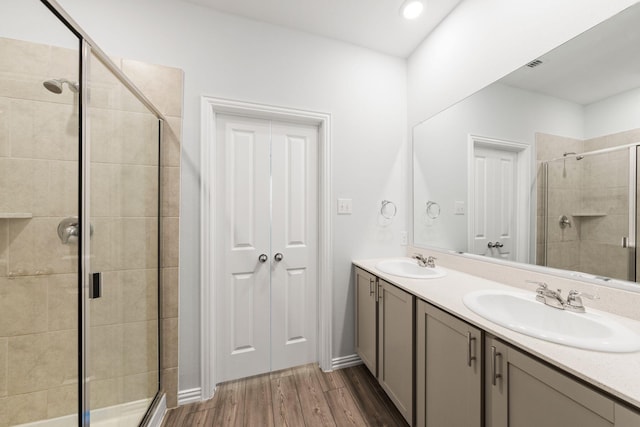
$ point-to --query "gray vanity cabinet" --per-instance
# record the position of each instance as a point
(463, 374)
(395, 346)
(448, 370)
(366, 319)
(384, 337)
(523, 392)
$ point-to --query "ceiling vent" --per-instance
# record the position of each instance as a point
(534, 64)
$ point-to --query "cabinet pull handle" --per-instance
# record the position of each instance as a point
(379, 291)
(494, 372)
(470, 340)
(370, 287)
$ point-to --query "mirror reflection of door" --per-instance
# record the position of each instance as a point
(494, 201)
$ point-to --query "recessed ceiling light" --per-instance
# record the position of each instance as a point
(411, 9)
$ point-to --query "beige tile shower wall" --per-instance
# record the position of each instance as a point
(38, 281)
(164, 87)
(130, 176)
(38, 275)
(124, 208)
(563, 199)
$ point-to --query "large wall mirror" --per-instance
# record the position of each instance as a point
(541, 167)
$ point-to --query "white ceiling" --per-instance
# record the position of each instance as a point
(599, 63)
(375, 24)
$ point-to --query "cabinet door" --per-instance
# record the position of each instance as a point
(495, 383)
(626, 417)
(449, 370)
(366, 316)
(530, 394)
(395, 346)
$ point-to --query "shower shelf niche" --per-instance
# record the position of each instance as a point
(588, 214)
(15, 215)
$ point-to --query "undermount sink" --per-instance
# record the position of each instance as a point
(407, 267)
(520, 312)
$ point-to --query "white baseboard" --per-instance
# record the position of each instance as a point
(345, 361)
(158, 414)
(191, 395)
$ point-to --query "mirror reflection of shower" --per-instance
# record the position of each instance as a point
(57, 85)
(589, 211)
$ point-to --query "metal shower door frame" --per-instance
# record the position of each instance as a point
(633, 210)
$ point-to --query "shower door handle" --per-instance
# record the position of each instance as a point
(627, 243)
(95, 285)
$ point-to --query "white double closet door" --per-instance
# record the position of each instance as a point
(266, 289)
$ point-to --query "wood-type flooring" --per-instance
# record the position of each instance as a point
(299, 397)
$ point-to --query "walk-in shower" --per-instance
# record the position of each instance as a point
(79, 151)
(590, 212)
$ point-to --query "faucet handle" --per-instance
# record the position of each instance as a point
(542, 286)
(574, 300)
(573, 294)
(422, 262)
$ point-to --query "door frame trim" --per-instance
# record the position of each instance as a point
(524, 227)
(210, 108)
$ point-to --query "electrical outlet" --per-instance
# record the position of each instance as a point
(459, 208)
(403, 238)
(345, 207)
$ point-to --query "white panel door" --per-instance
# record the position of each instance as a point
(266, 311)
(244, 293)
(494, 200)
(294, 236)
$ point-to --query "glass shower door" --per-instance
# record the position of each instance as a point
(39, 211)
(590, 213)
(123, 356)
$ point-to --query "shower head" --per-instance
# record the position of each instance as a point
(56, 85)
(573, 153)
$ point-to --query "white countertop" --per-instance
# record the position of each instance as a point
(615, 373)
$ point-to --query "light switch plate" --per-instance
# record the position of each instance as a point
(459, 208)
(345, 207)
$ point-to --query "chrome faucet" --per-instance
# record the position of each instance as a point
(548, 296)
(574, 301)
(554, 298)
(422, 261)
(425, 262)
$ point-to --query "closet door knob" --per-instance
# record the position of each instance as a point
(263, 258)
(278, 257)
